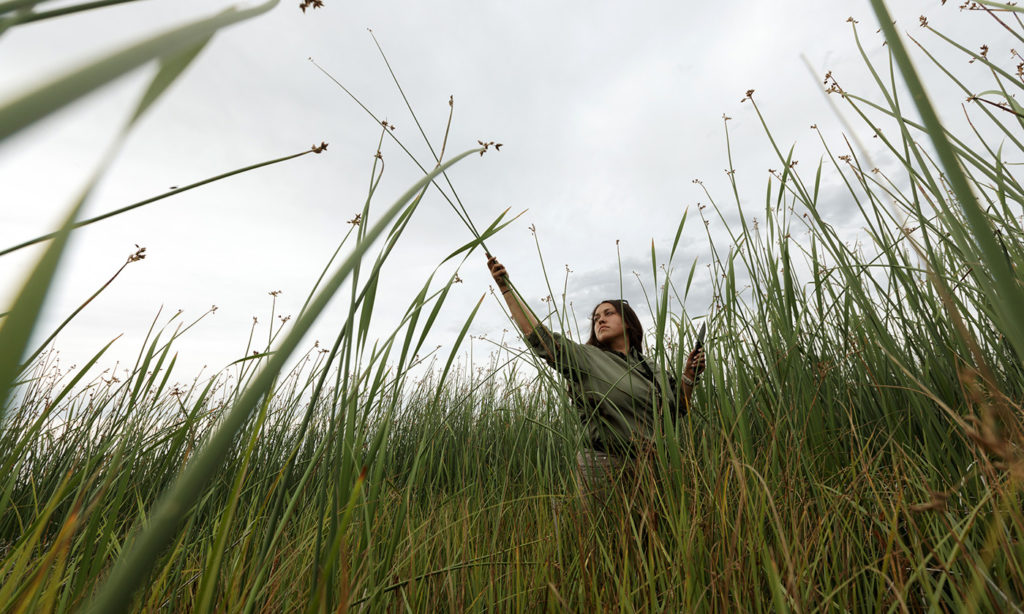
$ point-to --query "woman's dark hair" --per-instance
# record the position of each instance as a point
(630, 324)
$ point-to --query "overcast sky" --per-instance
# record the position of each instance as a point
(607, 111)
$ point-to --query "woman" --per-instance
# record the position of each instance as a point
(611, 383)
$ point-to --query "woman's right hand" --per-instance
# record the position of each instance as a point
(695, 364)
(521, 314)
(498, 272)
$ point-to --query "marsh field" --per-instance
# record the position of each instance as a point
(857, 444)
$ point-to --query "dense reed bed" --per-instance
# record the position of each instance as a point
(856, 444)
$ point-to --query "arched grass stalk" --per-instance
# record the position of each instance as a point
(172, 192)
(135, 257)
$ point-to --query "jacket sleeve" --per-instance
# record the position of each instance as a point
(565, 356)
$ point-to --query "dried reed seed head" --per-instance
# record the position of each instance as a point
(318, 148)
(833, 85)
(487, 145)
(140, 254)
(356, 220)
(924, 21)
(305, 4)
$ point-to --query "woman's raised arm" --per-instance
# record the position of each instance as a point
(523, 317)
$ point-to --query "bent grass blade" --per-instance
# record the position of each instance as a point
(33, 106)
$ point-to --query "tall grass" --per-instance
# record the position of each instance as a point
(856, 445)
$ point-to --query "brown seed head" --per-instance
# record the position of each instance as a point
(140, 253)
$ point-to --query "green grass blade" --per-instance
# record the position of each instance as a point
(18, 326)
(154, 199)
(33, 106)
(1006, 293)
(29, 17)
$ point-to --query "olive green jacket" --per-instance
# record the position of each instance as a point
(616, 394)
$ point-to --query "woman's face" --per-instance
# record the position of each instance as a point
(608, 324)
